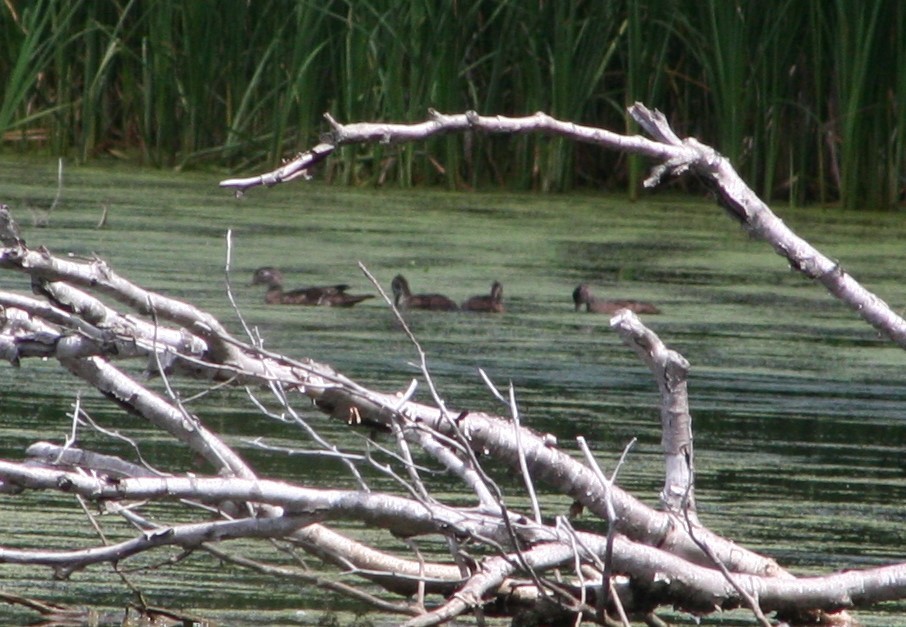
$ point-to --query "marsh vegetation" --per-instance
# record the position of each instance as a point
(806, 98)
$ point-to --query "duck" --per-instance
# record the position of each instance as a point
(403, 297)
(325, 295)
(492, 303)
(583, 296)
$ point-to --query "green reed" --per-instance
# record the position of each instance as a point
(805, 98)
(854, 116)
(650, 30)
(895, 160)
(32, 41)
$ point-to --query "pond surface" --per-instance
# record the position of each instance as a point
(798, 406)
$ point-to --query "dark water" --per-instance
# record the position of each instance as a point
(798, 405)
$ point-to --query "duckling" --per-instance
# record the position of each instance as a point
(582, 296)
(492, 303)
(326, 295)
(403, 297)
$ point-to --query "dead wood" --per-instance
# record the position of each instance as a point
(656, 558)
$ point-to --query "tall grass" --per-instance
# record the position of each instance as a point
(855, 118)
(806, 98)
(651, 27)
(31, 43)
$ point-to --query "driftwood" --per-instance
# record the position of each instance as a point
(515, 560)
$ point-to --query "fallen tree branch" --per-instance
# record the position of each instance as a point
(668, 578)
(658, 558)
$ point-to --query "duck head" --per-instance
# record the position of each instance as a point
(269, 276)
(581, 296)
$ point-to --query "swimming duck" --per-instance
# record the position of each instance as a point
(327, 295)
(492, 302)
(582, 296)
(403, 297)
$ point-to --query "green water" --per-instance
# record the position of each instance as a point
(798, 405)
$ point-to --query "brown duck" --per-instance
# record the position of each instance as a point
(583, 296)
(403, 297)
(325, 295)
(492, 303)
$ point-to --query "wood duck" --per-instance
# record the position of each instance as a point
(583, 296)
(492, 302)
(326, 295)
(403, 297)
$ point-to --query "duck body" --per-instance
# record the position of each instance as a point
(491, 303)
(403, 297)
(582, 296)
(323, 295)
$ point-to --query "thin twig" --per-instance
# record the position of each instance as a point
(611, 512)
(229, 289)
(517, 543)
(280, 394)
(510, 401)
(750, 600)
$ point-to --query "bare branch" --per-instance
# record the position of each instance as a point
(495, 550)
(287, 172)
(670, 370)
(735, 196)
